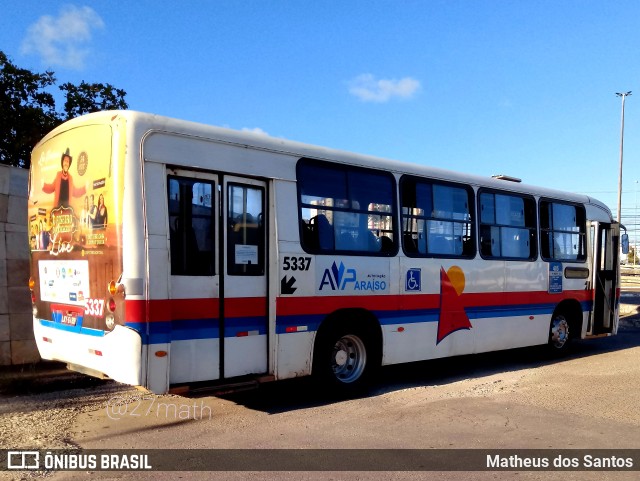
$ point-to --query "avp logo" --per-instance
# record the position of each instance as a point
(339, 278)
(335, 277)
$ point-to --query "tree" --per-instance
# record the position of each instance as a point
(28, 110)
(85, 98)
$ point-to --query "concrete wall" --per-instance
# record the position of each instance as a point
(17, 345)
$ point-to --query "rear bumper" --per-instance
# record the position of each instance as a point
(116, 354)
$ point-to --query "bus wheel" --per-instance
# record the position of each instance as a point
(559, 334)
(348, 358)
(344, 360)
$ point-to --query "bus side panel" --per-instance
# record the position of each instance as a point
(134, 259)
(293, 351)
(520, 317)
(159, 317)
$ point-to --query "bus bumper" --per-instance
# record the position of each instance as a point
(116, 354)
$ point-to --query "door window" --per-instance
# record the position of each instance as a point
(245, 230)
(191, 224)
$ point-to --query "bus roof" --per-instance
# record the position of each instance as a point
(153, 122)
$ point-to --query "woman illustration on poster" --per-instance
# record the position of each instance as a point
(84, 215)
(101, 216)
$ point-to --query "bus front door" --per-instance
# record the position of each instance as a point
(218, 286)
(606, 244)
(244, 277)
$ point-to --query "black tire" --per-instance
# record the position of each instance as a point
(345, 359)
(560, 334)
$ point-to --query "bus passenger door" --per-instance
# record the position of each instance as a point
(605, 257)
(193, 314)
(244, 277)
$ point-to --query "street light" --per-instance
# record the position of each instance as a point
(624, 96)
(635, 229)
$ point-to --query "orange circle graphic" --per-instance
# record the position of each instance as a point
(456, 276)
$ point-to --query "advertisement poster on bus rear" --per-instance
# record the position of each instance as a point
(75, 198)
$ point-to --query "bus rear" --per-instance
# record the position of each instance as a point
(75, 210)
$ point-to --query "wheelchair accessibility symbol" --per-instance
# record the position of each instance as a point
(413, 282)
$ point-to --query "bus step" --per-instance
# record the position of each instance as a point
(221, 388)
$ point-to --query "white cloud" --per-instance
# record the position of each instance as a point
(255, 130)
(62, 40)
(369, 89)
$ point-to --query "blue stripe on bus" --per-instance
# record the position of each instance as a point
(186, 329)
(387, 318)
(77, 328)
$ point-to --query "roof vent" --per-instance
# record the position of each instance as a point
(506, 177)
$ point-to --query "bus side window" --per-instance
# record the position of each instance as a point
(437, 218)
(507, 226)
(562, 231)
(345, 209)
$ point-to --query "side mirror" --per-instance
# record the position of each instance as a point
(624, 243)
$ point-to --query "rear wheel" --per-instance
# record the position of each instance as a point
(345, 358)
(348, 358)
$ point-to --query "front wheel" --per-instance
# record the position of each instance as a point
(345, 359)
(559, 334)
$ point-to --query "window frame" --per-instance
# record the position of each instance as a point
(533, 230)
(471, 210)
(346, 169)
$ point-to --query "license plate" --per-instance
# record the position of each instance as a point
(70, 319)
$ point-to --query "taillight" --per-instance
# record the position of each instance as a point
(111, 305)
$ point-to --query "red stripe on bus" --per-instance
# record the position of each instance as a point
(163, 310)
(245, 306)
(518, 298)
(286, 306)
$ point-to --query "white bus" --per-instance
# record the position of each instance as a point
(166, 253)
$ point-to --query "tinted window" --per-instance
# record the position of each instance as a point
(436, 218)
(345, 209)
(245, 230)
(191, 225)
(507, 226)
(562, 231)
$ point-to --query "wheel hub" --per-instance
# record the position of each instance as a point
(341, 357)
(559, 332)
(349, 358)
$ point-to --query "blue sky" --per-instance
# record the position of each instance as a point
(525, 88)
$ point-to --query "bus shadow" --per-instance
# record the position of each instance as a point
(43, 377)
(295, 394)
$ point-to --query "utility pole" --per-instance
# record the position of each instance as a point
(624, 96)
